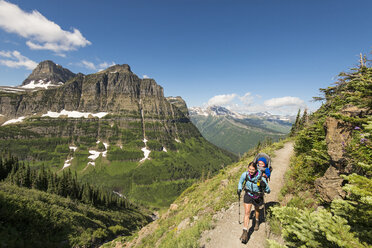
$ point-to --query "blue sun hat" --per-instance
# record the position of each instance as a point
(263, 160)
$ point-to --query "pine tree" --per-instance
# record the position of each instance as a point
(295, 125)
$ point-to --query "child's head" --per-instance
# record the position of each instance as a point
(252, 168)
(262, 162)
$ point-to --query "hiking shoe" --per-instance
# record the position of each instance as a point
(257, 225)
(244, 237)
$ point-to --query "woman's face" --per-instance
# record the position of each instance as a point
(251, 170)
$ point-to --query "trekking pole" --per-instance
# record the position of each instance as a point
(265, 214)
(239, 208)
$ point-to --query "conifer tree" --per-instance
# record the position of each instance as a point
(295, 125)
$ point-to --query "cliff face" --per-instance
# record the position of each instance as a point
(48, 71)
(113, 90)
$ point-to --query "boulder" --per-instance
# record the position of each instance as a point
(329, 187)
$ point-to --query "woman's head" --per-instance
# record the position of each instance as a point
(252, 168)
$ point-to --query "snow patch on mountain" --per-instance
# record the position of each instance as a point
(20, 119)
(72, 148)
(10, 89)
(145, 150)
(95, 154)
(69, 160)
(40, 84)
(73, 114)
(67, 163)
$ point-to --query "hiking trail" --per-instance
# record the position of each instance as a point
(227, 229)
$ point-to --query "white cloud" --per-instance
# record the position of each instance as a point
(104, 65)
(91, 66)
(284, 101)
(220, 100)
(249, 103)
(16, 60)
(247, 99)
(42, 34)
(88, 65)
(145, 76)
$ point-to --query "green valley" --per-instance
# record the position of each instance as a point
(238, 135)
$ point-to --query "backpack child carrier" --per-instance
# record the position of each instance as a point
(268, 159)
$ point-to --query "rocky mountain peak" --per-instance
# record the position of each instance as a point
(124, 68)
(47, 74)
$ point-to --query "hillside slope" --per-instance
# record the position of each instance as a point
(237, 132)
(238, 135)
(31, 218)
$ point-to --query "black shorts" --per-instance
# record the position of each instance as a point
(249, 200)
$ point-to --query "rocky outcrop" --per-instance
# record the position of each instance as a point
(48, 71)
(329, 187)
(115, 90)
(180, 104)
(338, 135)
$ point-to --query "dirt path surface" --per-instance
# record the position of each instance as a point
(227, 229)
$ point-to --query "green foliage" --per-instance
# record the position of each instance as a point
(126, 154)
(159, 194)
(303, 228)
(65, 185)
(31, 218)
(357, 207)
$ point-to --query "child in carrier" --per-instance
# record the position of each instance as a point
(262, 165)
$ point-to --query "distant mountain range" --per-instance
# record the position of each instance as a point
(238, 132)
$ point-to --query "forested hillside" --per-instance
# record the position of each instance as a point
(328, 193)
(41, 209)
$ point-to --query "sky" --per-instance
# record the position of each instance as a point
(248, 55)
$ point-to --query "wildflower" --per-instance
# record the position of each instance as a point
(357, 128)
(363, 140)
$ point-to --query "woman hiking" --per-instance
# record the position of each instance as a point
(255, 186)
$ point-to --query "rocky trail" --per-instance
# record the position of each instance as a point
(227, 229)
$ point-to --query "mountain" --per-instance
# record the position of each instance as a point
(114, 129)
(47, 74)
(236, 132)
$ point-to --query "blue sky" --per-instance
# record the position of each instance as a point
(251, 55)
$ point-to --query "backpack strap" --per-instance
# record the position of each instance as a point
(247, 179)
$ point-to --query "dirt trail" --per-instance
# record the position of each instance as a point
(227, 232)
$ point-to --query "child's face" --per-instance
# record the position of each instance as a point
(261, 164)
(251, 170)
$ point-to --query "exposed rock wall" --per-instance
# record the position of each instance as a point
(338, 137)
(114, 90)
(49, 71)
